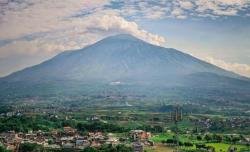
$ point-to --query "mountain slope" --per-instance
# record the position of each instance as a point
(125, 61)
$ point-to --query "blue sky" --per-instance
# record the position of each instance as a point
(217, 31)
(227, 39)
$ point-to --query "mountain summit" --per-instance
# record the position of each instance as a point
(126, 61)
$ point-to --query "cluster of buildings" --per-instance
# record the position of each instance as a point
(224, 123)
(69, 138)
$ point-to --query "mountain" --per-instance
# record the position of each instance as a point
(123, 65)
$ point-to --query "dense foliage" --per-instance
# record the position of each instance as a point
(2, 149)
(28, 147)
(25, 123)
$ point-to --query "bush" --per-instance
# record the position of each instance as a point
(28, 147)
(188, 144)
(109, 148)
(2, 149)
(200, 146)
(208, 137)
(199, 138)
(89, 149)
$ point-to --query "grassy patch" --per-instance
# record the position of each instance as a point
(161, 137)
(224, 147)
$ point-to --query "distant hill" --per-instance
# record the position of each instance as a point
(123, 65)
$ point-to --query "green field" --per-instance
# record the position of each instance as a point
(159, 138)
(222, 147)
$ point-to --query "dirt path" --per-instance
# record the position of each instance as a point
(160, 148)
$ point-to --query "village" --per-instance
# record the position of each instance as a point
(69, 138)
(78, 129)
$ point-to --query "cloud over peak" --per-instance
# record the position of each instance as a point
(110, 25)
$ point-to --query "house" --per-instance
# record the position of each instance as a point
(93, 118)
(82, 143)
(96, 136)
(95, 144)
(112, 141)
(54, 132)
(69, 131)
(68, 145)
(65, 140)
(139, 135)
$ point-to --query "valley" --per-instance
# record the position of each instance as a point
(47, 124)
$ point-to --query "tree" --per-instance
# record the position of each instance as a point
(28, 147)
(200, 146)
(89, 149)
(123, 148)
(169, 141)
(50, 141)
(248, 145)
(211, 148)
(188, 144)
(235, 140)
(199, 138)
(208, 137)
(2, 149)
(228, 138)
(217, 138)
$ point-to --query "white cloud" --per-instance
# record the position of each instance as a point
(192, 8)
(34, 28)
(186, 4)
(156, 15)
(178, 13)
(233, 2)
(31, 16)
(110, 25)
(221, 7)
(81, 32)
(242, 69)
